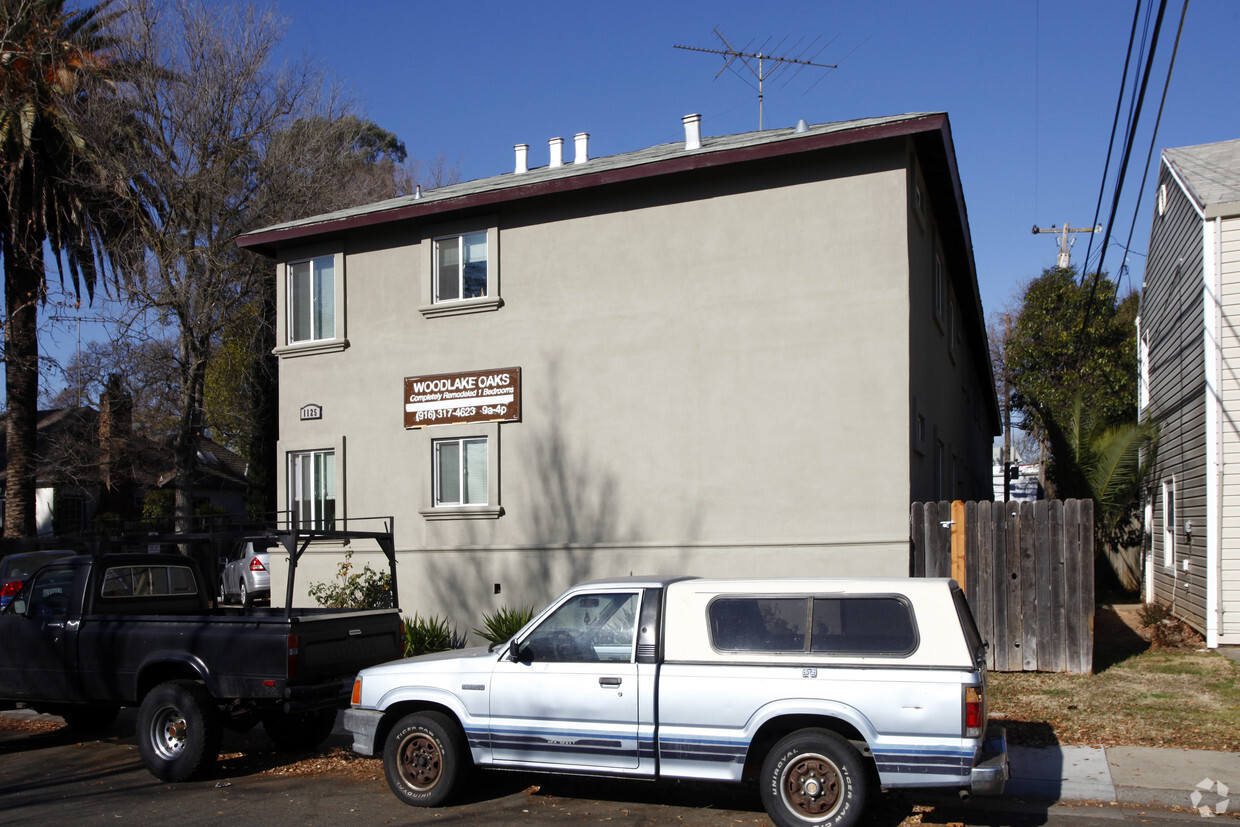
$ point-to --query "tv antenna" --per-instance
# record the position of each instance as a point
(764, 65)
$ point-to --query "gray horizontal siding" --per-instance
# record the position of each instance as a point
(1172, 309)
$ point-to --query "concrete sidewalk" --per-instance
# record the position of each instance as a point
(1138, 776)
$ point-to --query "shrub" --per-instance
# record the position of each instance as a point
(1151, 614)
(365, 589)
(501, 626)
(424, 635)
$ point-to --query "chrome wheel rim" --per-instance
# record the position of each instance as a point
(169, 732)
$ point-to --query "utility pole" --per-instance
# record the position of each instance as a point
(1065, 244)
(1007, 414)
(763, 70)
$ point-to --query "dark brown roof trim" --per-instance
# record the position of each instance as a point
(268, 243)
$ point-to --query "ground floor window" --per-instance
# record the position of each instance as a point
(312, 489)
(461, 471)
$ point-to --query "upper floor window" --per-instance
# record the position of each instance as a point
(461, 267)
(312, 300)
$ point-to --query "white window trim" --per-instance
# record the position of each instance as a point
(493, 300)
(337, 452)
(339, 341)
(1168, 523)
(428, 437)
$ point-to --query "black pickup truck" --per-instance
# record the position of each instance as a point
(91, 634)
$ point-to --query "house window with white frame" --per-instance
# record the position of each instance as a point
(461, 471)
(460, 267)
(312, 300)
(312, 489)
(1168, 520)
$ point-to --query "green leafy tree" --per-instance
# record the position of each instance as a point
(54, 62)
(1070, 360)
(1072, 340)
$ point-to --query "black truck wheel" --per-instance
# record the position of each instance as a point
(89, 718)
(178, 730)
(299, 731)
(814, 777)
(425, 758)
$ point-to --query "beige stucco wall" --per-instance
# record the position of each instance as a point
(715, 381)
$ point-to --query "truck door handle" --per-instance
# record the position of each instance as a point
(608, 681)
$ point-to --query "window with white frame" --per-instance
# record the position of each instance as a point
(461, 267)
(461, 471)
(312, 300)
(312, 489)
(1168, 520)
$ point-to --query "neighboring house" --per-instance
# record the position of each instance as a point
(86, 469)
(719, 356)
(1189, 350)
(1024, 479)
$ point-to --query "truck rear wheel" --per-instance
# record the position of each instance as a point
(425, 758)
(813, 776)
(178, 730)
(299, 731)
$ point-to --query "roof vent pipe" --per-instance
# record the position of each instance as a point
(802, 126)
(580, 142)
(523, 153)
(556, 145)
(693, 131)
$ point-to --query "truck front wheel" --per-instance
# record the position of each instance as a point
(425, 758)
(178, 730)
(814, 777)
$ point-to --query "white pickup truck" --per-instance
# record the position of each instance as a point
(819, 688)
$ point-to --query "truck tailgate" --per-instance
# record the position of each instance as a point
(332, 645)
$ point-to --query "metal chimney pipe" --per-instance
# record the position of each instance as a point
(556, 145)
(693, 131)
(523, 152)
(581, 141)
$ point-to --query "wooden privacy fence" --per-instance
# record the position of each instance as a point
(1028, 570)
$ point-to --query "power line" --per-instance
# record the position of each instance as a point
(1154, 137)
(1149, 64)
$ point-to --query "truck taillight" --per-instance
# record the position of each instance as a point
(257, 565)
(294, 655)
(357, 692)
(974, 712)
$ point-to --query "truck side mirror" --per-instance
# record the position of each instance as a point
(519, 654)
(19, 606)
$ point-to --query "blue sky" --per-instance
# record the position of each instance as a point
(1030, 88)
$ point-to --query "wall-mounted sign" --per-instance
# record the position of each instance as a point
(454, 398)
(311, 411)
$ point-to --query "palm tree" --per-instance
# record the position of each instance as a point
(53, 63)
(1106, 462)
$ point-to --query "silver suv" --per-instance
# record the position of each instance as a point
(244, 575)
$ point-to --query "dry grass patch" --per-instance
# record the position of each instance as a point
(1157, 697)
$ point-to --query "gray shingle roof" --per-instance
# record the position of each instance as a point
(1212, 174)
(569, 170)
